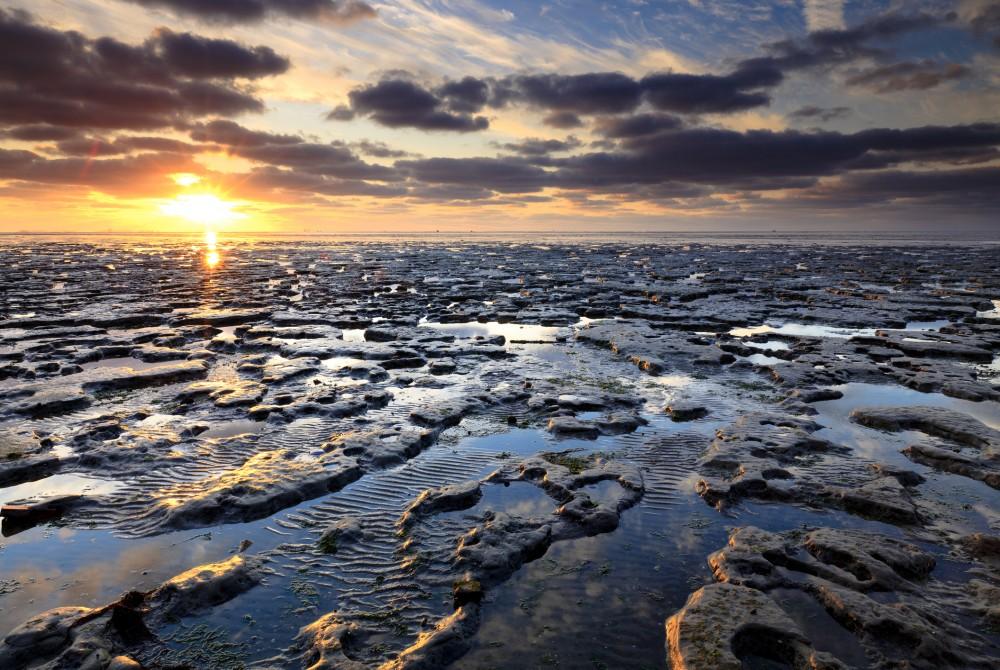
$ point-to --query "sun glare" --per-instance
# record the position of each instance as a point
(212, 256)
(201, 208)
(185, 179)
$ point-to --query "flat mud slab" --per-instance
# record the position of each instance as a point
(351, 455)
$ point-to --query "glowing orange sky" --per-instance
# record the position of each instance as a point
(430, 116)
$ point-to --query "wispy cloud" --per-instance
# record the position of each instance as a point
(824, 14)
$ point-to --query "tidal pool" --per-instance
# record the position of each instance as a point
(818, 330)
(512, 332)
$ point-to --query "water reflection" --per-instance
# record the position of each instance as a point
(512, 332)
(212, 257)
(818, 330)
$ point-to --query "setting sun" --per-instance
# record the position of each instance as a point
(185, 179)
(201, 208)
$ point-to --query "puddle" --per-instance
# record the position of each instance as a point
(874, 395)
(120, 362)
(816, 330)
(338, 363)
(58, 485)
(518, 498)
(353, 334)
(762, 359)
(233, 428)
(989, 370)
(606, 493)
(515, 442)
(513, 332)
(822, 630)
(971, 504)
(52, 566)
(927, 325)
(773, 345)
(672, 381)
(991, 313)
(617, 584)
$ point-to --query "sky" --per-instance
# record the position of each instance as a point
(362, 116)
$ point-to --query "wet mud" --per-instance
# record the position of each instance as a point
(321, 454)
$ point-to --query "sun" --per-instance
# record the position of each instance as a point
(204, 208)
(185, 178)
(200, 205)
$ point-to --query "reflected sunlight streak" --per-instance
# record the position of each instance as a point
(212, 257)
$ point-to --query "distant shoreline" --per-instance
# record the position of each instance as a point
(906, 238)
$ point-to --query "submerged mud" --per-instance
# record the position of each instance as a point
(379, 455)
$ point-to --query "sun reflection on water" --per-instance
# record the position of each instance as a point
(212, 256)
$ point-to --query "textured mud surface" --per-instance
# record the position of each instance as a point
(496, 455)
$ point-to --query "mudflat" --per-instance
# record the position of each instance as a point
(368, 454)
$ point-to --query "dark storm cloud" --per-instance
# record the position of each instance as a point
(13, 159)
(378, 149)
(40, 133)
(399, 102)
(252, 11)
(592, 93)
(964, 186)
(825, 48)
(63, 78)
(334, 159)
(877, 160)
(125, 174)
(534, 146)
(686, 160)
(701, 94)
(96, 147)
(273, 179)
(562, 120)
(451, 193)
(467, 95)
(285, 163)
(616, 93)
(710, 156)
(928, 138)
(121, 106)
(966, 189)
(639, 125)
(719, 157)
(505, 175)
(914, 75)
(230, 133)
(822, 113)
(340, 113)
(200, 57)
(986, 22)
(144, 173)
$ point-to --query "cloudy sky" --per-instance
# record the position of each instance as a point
(369, 116)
